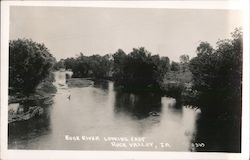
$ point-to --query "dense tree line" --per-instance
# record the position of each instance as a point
(138, 70)
(82, 66)
(29, 64)
(217, 74)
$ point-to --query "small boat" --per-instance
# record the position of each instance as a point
(153, 113)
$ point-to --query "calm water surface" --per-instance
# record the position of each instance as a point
(99, 110)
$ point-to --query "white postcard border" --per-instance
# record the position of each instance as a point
(63, 154)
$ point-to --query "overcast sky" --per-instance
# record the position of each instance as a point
(168, 32)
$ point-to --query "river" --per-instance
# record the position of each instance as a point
(101, 112)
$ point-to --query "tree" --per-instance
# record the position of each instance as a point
(119, 59)
(81, 67)
(100, 66)
(175, 66)
(94, 66)
(204, 49)
(59, 65)
(139, 70)
(69, 63)
(203, 66)
(163, 66)
(29, 63)
(217, 73)
(184, 61)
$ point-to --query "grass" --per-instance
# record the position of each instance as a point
(178, 77)
(179, 85)
(79, 82)
(45, 88)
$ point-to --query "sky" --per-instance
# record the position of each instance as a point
(67, 31)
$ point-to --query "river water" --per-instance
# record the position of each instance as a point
(143, 121)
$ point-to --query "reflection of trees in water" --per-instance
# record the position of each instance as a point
(103, 84)
(139, 105)
(176, 107)
(26, 131)
(219, 133)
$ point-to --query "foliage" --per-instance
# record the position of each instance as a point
(184, 58)
(217, 73)
(175, 66)
(180, 77)
(184, 61)
(119, 59)
(59, 65)
(173, 89)
(29, 64)
(139, 70)
(94, 66)
(69, 63)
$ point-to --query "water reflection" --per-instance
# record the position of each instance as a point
(220, 135)
(102, 84)
(22, 135)
(101, 110)
(137, 105)
(176, 107)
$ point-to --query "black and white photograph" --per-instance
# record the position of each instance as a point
(124, 79)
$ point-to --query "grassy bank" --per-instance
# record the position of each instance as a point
(179, 86)
(24, 107)
(45, 89)
(178, 77)
(79, 82)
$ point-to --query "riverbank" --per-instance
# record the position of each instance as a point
(24, 107)
(176, 84)
(44, 90)
(79, 82)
